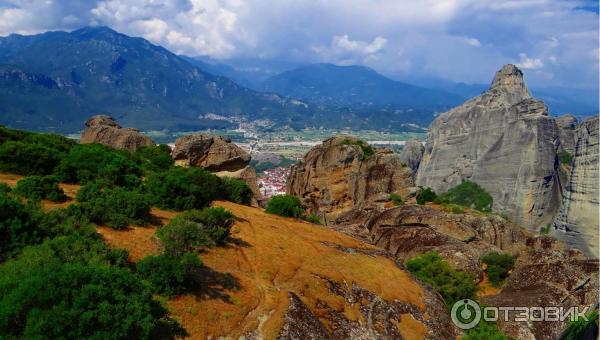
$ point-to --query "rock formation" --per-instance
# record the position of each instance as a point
(567, 126)
(103, 129)
(577, 220)
(503, 140)
(216, 154)
(412, 153)
(337, 177)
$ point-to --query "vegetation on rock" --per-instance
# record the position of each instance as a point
(468, 194)
(425, 195)
(565, 157)
(366, 149)
(285, 205)
(396, 199)
(236, 190)
(498, 267)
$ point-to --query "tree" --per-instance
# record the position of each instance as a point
(170, 275)
(425, 195)
(285, 205)
(498, 266)
(236, 190)
(215, 223)
(18, 225)
(155, 158)
(40, 187)
(28, 159)
(468, 194)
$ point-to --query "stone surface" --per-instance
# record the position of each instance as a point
(248, 175)
(104, 130)
(336, 177)
(577, 221)
(503, 140)
(214, 153)
(567, 127)
(411, 154)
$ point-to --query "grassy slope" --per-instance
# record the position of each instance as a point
(248, 280)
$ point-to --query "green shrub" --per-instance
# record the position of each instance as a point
(40, 187)
(54, 141)
(236, 190)
(28, 159)
(498, 266)
(425, 195)
(170, 275)
(7, 134)
(183, 189)
(216, 223)
(396, 199)
(18, 226)
(484, 331)
(452, 208)
(312, 218)
(565, 157)
(5, 188)
(545, 230)
(468, 194)
(116, 207)
(580, 328)
(452, 284)
(367, 150)
(76, 301)
(88, 162)
(285, 205)
(155, 158)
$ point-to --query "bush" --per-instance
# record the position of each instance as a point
(5, 188)
(425, 195)
(79, 301)
(170, 275)
(468, 194)
(18, 226)
(545, 230)
(312, 218)
(89, 162)
(236, 190)
(40, 187)
(452, 284)
(581, 328)
(183, 189)
(117, 207)
(452, 208)
(285, 205)
(396, 199)
(155, 158)
(216, 223)
(367, 150)
(565, 157)
(484, 331)
(28, 159)
(498, 266)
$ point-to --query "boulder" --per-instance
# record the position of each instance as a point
(577, 221)
(412, 153)
(248, 175)
(214, 153)
(104, 130)
(503, 140)
(337, 177)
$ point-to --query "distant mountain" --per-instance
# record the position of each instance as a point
(55, 80)
(329, 84)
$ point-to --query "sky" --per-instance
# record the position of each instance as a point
(555, 42)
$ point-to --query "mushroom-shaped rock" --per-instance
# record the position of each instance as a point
(214, 153)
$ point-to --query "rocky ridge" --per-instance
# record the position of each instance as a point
(104, 130)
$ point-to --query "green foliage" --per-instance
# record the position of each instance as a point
(155, 158)
(170, 275)
(28, 159)
(5, 188)
(40, 187)
(367, 150)
(565, 157)
(498, 266)
(425, 195)
(7, 134)
(117, 207)
(216, 223)
(285, 205)
(18, 226)
(396, 199)
(183, 188)
(484, 331)
(236, 190)
(77, 301)
(452, 284)
(88, 162)
(468, 194)
(545, 230)
(312, 218)
(452, 208)
(579, 328)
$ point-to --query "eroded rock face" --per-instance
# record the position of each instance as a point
(567, 129)
(412, 153)
(503, 140)
(577, 221)
(214, 153)
(336, 177)
(104, 130)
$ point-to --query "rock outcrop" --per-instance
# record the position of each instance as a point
(412, 153)
(104, 130)
(577, 221)
(337, 177)
(214, 153)
(503, 140)
(567, 127)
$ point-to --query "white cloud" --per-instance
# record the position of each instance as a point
(529, 63)
(362, 47)
(472, 42)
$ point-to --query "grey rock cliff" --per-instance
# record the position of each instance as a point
(104, 130)
(503, 140)
(412, 153)
(567, 127)
(577, 221)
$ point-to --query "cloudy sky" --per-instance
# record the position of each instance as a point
(554, 41)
